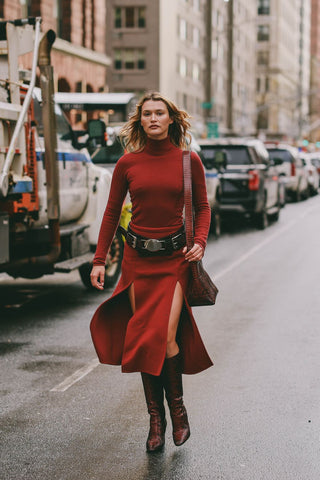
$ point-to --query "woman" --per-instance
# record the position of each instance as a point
(147, 325)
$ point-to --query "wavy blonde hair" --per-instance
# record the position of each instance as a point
(133, 135)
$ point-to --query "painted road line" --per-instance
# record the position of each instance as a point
(76, 376)
(264, 242)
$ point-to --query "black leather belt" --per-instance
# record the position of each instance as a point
(154, 246)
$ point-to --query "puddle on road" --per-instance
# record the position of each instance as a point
(14, 299)
(8, 347)
(43, 365)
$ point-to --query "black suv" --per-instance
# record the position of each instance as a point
(249, 181)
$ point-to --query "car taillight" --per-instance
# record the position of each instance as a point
(254, 180)
(293, 169)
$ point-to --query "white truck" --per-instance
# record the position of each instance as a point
(52, 196)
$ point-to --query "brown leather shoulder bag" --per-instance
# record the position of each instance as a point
(201, 289)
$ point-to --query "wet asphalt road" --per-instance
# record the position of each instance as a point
(254, 416)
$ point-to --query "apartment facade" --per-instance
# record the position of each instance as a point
(283, 67)
(241, 67)
(158, 46)
(169, 46)
(78, 55)
(313, 131)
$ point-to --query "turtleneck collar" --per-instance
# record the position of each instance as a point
(158, 147)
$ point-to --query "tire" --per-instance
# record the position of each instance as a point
(274, 217)
(215, 225)
(261, 219)
(113, 265)
(297, 194)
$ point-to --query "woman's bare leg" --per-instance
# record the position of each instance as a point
(132, 298)
(174, 317)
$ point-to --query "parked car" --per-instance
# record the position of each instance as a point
(213, 185)
(290, 167)
(315, 160)
(312, 172)
(250, 183)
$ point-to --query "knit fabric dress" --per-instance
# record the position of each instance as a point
(137, 342)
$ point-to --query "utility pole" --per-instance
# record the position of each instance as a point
(207, 105)
(230, 68)
(300, 80)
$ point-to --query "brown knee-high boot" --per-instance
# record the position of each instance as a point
(172, 382)
(153, 390)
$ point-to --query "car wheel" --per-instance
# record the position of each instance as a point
(261, 219)
(113, 265)
(297, 195)
(275, 216)
(282, 193)
(307, 193)
(215, 225)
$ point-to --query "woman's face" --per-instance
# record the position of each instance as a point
(155, 119)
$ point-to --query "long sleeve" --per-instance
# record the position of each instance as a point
(200, 201)
(110, 219)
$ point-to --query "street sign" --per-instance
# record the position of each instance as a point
(207, 105)
(213, 129)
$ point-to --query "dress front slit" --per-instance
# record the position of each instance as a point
(137, 341)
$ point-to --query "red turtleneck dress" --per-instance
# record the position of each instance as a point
(137, 342)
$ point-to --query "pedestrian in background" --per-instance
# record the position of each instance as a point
(147, 325)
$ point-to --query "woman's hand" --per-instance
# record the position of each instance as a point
(195, 254)
(97, 276)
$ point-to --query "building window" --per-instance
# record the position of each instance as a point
(185, 101)
(129, 59)
(258, 84)
(263, 119)
(141, 59)
(182, 29)
(64, 19)
(183, 66)
(267, 84)
(196, 5)
(130, 17)
(195, 72)
(263, 58)
(263, 7)
(263, 33)
(117, 18)
(141, 17)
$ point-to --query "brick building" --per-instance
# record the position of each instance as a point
(314, 99)
(78, 55)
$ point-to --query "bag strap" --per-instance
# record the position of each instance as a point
(187, 184)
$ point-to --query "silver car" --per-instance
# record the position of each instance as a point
(289, 165)
(312, 172)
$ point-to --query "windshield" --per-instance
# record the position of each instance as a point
(284, 155)
(236, 155)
